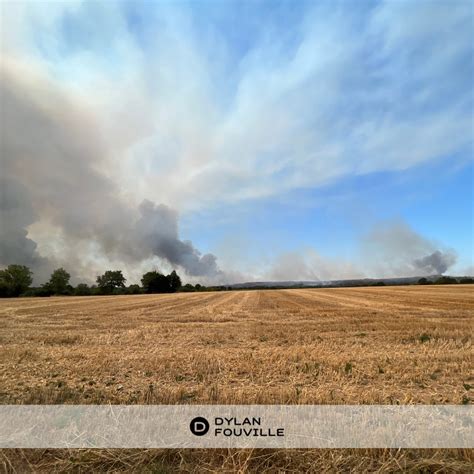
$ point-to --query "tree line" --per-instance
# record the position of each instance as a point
(16, 280)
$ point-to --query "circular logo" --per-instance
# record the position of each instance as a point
(199, 426)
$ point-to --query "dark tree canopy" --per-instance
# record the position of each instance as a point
(111, 280)
(174, 281)
(15, 280)
(82, 290)
(445, 280)
(134, 290)
(156, 282)
(59, 282)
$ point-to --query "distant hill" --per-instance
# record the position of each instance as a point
(335, 283)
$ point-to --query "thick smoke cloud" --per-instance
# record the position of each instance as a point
(16, 213)
(51, 150)
(393, 248)
(157, 229)
(436, 263)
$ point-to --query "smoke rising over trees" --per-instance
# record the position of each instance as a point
(104, 141)
(15, 280)
(53, 176)
(436, 263)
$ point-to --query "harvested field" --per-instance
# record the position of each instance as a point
(383, 345)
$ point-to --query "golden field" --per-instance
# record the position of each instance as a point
(377, 345)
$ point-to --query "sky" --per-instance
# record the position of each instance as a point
(237, 141)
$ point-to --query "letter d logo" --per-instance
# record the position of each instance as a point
(199, 426)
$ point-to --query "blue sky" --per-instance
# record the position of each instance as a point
(292, 140)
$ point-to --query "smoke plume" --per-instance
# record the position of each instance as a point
(157, 230)
(56, 173)
(393, 248)
(438, 262)
(51, 151)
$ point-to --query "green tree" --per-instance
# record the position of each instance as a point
(15, 280)
(82, 290)
(4, 289)
(110, 281)
(155, 282)
(59, 282)
(134, 290)
(174, 281)
(44, 290)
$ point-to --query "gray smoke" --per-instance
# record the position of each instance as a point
(16, 214)
(50, 156)
(50, 153)
(393, 248)
(438, 262)
(157, 230)
(308, 265)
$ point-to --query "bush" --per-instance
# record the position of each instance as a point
(134, 290)
(44, 290)
(41, 291)
(82, 290)
(424, 281)
(119, 291)
(446, 280)
(4, 290)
